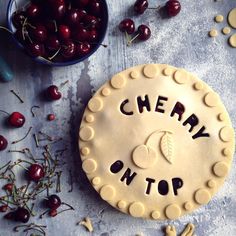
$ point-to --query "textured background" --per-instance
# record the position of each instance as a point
(182, 42)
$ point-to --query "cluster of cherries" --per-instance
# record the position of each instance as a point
(171, 8)
(17, 120)
(59, 30)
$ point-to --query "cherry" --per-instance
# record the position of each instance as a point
(68, 49)
(51, 25)
(53, 212)
(53, 92)
(53, 202)
(51, 117)
(92, 35)
(35, 172)
(18, 19)
(32, 11)
(127, 25)
(95, 7)
(35, 49)
(3, 208)
(3, 143)
(8, 187)
(53, 43)
(140, 6)
(74, 16)
(39, 33)
(81, 3)
(83, 48)
(10, 215)
(81, 34)
(57, 9)
(64, 32)
(173, 7)
(144, 32)
(22, 215)
(16, 119)
(91, 22)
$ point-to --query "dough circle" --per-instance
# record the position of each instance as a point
(232, 41)
(145, 136)
(232, 18)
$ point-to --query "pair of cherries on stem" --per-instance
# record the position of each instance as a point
(15, 119)
(172, 7)
(128, 26)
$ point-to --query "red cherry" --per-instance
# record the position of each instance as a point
(16, 119)
(68, 49)
(144, 32)
(53, 92)
(53, 202)
(74, 16)
(22, 215)
(64, 32)
(39, 33)
(3, 143)
(8, 187)
(3, 208)
(56, 9)
(91, 22)
(83, 48)
(92, 35)
(51, 26)
(18, 19)
(81, 3)
(52, 43)
(127, 25)
(140, 6)
(173, 7)
(35, 49)
(32, 11)
(51, 117)
(53, 212)
(95, 7)
(36, 172)
(81, 34)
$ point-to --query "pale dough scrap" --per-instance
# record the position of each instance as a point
(226, 30)
(232, 41)
(189, 230)
(219, 18)
(213, 33)
(170, 230)
(232, 18)
(87, 224)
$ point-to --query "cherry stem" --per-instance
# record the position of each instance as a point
(71, 182)
(36, 140)
(32, 108)
(23, 28)
(5, 112)
(46, 136)
(130, 41)
(64, 83)
(21, 100)
(58, 186)
(55, 24)
(6, 29)
(17, 141)
(54, 55)
(6, 165)
(155, 8)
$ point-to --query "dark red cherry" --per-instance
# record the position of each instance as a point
(51, 117)
(68, 49)
(64, 32)
(35, 172)
(3, 143)
(92, 36)
(18, 19)
(53, 212)
(10, 215)
(81, 34)
(95, 7)
(83, 48)
(144, 32)
(173, 7)
(74, 16)
(81, 3)
(53, 92)
(52, 43)
(140, 6)
(22, 215)
(16, 119)
(8, 187)
(3, 208)
(51, 25)
(91, 22)
(35, 49)
(57, 9)
(127, 25)
(53, 201)
(33, 11)
(39, 33)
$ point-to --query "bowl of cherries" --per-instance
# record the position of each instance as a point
(58, 32)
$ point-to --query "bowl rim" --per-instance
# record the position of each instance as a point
(59, 64)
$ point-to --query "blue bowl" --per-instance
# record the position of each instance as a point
(18, 4)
